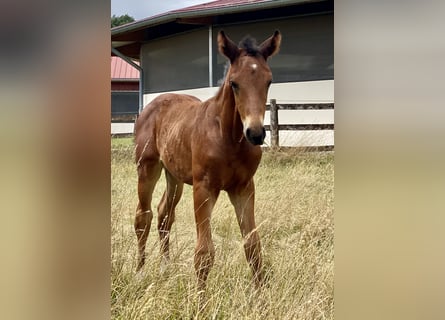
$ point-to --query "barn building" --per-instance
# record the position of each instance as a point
(177, 51)
(124, 89)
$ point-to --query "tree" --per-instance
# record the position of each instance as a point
(119, 20)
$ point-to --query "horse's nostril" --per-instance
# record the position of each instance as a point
(256, 137)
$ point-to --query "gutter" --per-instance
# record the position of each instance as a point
(141, 76)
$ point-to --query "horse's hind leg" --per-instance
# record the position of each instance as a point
(166, 211)
(148, 174)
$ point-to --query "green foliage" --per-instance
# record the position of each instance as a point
(120, 20)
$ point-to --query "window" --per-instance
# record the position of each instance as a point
(307, 48)
(176, 63)
(124, 102)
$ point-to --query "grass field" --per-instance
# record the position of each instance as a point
(294, 212)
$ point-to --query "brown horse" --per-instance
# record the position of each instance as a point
(212, 145)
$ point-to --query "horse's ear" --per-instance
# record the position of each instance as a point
(271, 46)
(227, 47)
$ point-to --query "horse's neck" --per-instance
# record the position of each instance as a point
(230, 120)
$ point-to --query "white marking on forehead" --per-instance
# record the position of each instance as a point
(254, 66)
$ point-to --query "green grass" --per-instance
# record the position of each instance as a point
(294, 212)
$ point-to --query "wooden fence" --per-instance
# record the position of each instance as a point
(275, 126)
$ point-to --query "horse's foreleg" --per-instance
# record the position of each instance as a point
(243, 199)
(204, 201)
(166, 211)
(148, 175)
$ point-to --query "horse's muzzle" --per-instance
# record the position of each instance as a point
(256, 135)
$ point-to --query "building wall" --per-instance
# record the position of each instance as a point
(124, 85)
(124, 88)
(303, 70)
(290, 92)
(185, 61)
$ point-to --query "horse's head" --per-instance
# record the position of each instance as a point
(250, 77)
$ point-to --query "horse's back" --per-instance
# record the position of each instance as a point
(167, 114)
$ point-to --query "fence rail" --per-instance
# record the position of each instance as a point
(275, 127)
(325, 126)
(124, 117)
(301, 106)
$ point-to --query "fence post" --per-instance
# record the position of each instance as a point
(274, 139)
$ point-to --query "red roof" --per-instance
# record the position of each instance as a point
(122, 70)
(218, 4)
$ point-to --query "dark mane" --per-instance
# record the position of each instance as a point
(250, 46)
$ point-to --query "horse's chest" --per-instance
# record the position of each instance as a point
(237, 171)
(223, 164)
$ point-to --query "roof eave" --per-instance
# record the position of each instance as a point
(125, 79)
(141, 24)
(172, 15)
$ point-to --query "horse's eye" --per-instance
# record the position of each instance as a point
(234, 85)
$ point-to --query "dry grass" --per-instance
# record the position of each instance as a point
(294, 211)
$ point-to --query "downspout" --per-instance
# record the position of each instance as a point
(141, 76)
(210, 56)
